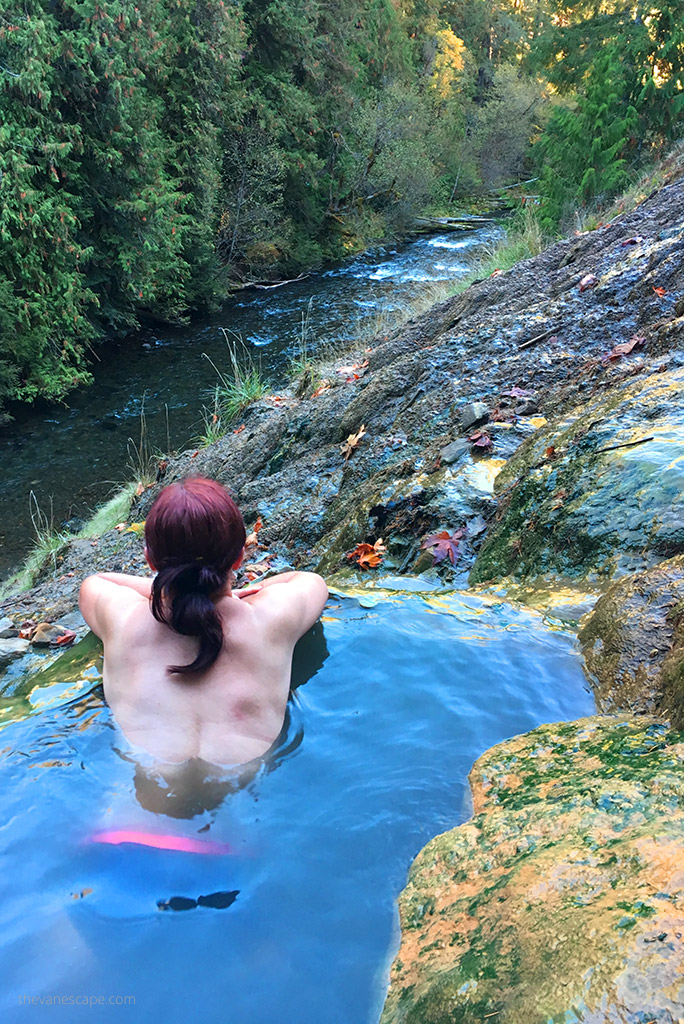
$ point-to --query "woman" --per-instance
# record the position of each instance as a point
(191, 668)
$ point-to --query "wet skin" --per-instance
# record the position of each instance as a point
(228, 714)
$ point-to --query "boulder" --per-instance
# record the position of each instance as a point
(562, 899)
(633, 643)
(598, 492)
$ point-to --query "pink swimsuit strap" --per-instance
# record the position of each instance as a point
(182, 844)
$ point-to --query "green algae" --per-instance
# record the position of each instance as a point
(579, 498)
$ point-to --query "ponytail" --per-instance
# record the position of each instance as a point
(181, 598)
(194, 535)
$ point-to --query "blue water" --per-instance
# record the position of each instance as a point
(395, 703)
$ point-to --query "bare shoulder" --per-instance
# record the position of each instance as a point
(291, 602)
(104, 603)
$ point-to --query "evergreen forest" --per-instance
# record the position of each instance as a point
(155, 152)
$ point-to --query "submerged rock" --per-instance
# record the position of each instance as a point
(598, 492)
(633, 643)
(562, 899)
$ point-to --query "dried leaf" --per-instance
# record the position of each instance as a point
(67, 638)
(624, 350)
(368, 556)
(350, 371)
(352, 442)
(517, 393)
(588, 281)
(443, 544)
(252, 538)
(480, 440)
(660, 292)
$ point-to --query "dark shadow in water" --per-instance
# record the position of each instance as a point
(215, 900)
(195, 787)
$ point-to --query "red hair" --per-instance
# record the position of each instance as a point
(194, 535)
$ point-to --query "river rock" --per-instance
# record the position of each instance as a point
(633, 643)
(46, 633)
(7, 628)
(562, 898)
(473, 414)
(600, 491)
(455, 451)
(11, 648)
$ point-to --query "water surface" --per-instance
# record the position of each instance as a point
(400, 699)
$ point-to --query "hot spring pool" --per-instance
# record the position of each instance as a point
(297, 925)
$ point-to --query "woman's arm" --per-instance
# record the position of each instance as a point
(107, 596)
(141, 584)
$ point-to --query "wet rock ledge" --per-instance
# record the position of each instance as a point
(562, 898)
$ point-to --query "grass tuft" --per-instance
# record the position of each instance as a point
(240, 386)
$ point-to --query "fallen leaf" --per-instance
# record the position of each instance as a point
(368, 556)
(443, 544)
(624, 350)
(256, 569)
(252, 538)
(480, 440)
(517, 393)
(67, 637)
(239, 429)
(350, 371)
(349, 446)
(321, 390)
(588, 281)
(660, 292)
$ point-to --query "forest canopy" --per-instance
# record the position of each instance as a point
(150, 154)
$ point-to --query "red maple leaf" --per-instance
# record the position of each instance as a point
(443, 544)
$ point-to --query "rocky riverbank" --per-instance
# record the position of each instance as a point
(530, 429)
(562, 899)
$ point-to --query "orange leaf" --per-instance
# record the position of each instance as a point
(348, 447)
(368, 556)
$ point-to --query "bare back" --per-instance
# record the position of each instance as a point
(228, 714)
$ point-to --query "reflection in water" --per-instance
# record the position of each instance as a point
(196, 786)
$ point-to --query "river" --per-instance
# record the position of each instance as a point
(73, 456)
